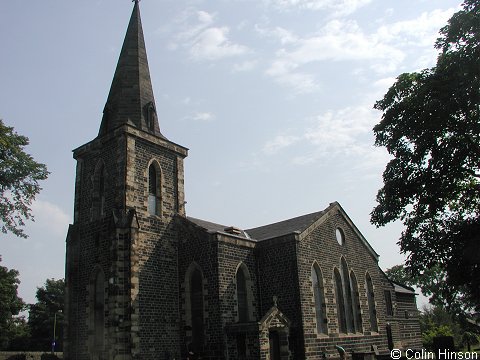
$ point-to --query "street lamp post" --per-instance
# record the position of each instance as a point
(54, 341)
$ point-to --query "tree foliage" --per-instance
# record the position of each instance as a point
(50, 305)
(398, 274)
(433, 284)
(10, 305)
(431, 126)
(19, 181)
(437, 321)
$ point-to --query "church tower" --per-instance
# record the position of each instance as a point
(122, 248)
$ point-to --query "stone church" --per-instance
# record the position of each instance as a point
(145, 281)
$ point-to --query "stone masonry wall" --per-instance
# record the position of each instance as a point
(277, 264)
(321, 246)
(233, 253)
(89, 244)
(155, 251)
(198, 249)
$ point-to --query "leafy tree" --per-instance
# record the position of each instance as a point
(431, 126)
(437, 321)
(399, 274)
(42, 315)
(19, 177)
(10, 304)
(469, 339)
(19, 335)
(432, 282)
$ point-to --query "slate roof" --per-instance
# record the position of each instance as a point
(213, 227)
(399, 288)
(285, 227)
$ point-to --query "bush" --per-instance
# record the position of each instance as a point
(435, 331)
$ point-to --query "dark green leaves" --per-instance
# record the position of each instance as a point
(431, 126)
(19, 181)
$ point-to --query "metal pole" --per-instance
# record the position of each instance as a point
(54, 332)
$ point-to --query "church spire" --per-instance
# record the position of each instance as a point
(131, 99)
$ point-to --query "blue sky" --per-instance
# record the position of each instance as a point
(272, 97)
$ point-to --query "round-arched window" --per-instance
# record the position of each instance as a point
(340, 236)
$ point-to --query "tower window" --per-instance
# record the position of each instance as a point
(154, 190)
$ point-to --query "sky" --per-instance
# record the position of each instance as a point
(274, 99)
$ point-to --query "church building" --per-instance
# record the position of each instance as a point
(146, 281)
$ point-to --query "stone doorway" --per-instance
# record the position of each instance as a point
(274, 340)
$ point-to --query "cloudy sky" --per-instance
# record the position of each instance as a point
(272, 97)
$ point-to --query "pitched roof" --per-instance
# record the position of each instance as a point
(297, 224)
(215, 228)
(131, 99)
(285, 227)
(400, 288)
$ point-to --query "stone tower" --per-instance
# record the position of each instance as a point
(122, 253)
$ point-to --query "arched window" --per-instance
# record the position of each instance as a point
(357, 314)
(99, 309)
(371, 303)
(242, 295)
(319, 296)
(342, 323)
(196, 302)
(154, 189)
(348, 297)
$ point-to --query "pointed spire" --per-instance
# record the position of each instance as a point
(131, 99)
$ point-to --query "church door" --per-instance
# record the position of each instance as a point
(274, 340)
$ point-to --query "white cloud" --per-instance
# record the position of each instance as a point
(341, 40)
(383, 51)
(284, 72)
(278, 143)
(419, 32)
(338, 131)
(336, 41)
(283, 35)
(345, 132)
(248, 65)
(50, 218)
(195, 31)
(337, 7)
(201, 116)
(213, 44)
